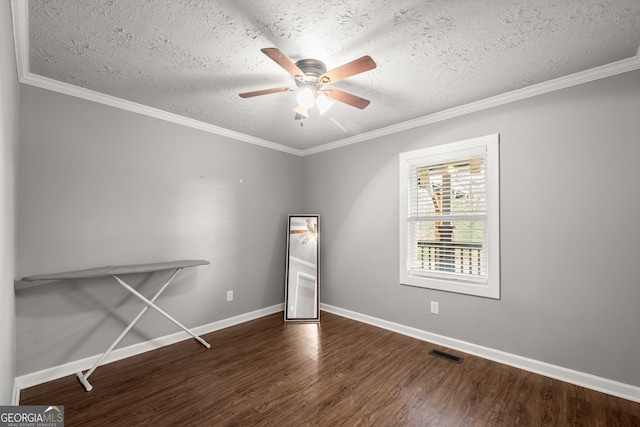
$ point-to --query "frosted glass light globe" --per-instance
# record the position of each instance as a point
(306, 98)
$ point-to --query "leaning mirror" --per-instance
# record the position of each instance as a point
(301, 299)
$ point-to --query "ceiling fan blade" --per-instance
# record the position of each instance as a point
(349, 69)
(264, 92)
(346, 98)
(282, 60)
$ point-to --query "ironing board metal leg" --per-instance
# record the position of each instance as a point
(161, 311)
(84, 377)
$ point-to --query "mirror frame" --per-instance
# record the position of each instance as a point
(301, 268)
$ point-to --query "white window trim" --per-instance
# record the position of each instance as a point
(490, 289)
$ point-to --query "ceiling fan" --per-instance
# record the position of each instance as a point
(311, 76)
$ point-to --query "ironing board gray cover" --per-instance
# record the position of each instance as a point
(93, 273)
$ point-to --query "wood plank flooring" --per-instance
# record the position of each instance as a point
(336, 373)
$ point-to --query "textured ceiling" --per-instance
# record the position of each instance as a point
(193, 57)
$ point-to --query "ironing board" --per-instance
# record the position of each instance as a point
(116, 272)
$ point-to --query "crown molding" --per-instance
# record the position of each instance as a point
(20, 21)
(20, 17)
(608, 70)
(91, 95)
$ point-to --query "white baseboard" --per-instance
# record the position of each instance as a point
(53, 373)
(604, 385)
(15, 399)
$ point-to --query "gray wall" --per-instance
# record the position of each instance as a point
(9, 102)
(99, 186)
(102, 186)
(569, 221)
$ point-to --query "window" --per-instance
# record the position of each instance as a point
(449, 217)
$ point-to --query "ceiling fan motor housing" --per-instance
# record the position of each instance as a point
(312, 69)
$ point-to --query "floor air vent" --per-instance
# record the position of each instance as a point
(446, 356)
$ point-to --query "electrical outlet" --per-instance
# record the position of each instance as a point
(435, 309)
(229, 295)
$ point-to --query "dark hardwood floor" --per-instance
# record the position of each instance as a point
(336, 373)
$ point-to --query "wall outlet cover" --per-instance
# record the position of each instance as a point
(435, 309)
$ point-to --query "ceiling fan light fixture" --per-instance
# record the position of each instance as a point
(301, 111)
(310, 76)
(306, 98)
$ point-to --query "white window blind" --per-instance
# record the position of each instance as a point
(449, 217)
